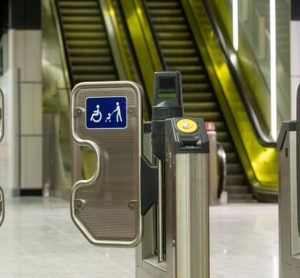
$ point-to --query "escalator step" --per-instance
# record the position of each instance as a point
(190, 71)
(231, 158)
(220, 126)
(82, 19)
(92, 69)
(198, 97)
(161, 5)
(223, 136)
(89, 51)
(94, 77)
(84, 27)
(237, 189)
(176, 52)
(228, 147)
(189, 78)
(207, 116)
(168, 19)
(165, 12)
(196, 87)
(80, 12)
(177, 44)
(236, 179)
(179, 61)
(88, 44)
(234, 168)
(92, 60)
(172, 36)
(197, 106)
(85, 35)
(171, 28)
(78, 4)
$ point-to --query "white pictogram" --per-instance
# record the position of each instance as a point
(118, 114)
(97, 115)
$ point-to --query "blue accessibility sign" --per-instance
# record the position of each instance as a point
(106, 112)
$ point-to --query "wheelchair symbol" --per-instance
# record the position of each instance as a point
(97, 115)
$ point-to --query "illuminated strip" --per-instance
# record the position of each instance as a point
(273, 68)
(235, 24)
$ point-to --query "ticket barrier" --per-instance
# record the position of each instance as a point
(153, 196)
(289, 197)
(2, 210)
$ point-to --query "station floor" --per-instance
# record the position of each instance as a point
(38, 239)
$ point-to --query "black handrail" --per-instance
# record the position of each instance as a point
(65, 46)
(222, 167)
(266, 142)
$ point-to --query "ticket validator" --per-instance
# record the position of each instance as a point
(150, 189)
(289, 197)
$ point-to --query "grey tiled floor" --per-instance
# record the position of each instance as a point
(38, 239)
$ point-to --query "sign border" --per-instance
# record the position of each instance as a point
(106, 128)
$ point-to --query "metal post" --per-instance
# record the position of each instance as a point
(298, 155)
(160, 213)
(192, 229)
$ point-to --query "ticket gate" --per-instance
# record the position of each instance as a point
(289, 197)
(2, 211)
(150, 189)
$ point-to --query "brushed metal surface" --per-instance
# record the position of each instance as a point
(106, 208)
(2, 205)
(1, 115)
(187, 215)
(289, 240)
(192, 216)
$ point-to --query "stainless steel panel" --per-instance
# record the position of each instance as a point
(289, 240)
(2, 206)
(298, 155)
(192, 216)
(1, 115)
(187, 215)
(2, 212)
(106, 208)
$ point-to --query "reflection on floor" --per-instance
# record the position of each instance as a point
(38, 239)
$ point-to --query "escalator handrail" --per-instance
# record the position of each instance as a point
(67, 59)
(221, 154)
(264, 139)
(258, 161)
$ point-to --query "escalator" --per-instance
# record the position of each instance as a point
(179, 52)
(86, 41)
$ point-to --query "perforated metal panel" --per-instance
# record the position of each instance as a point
(107, 207)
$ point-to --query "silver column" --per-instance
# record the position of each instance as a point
(187, 190)
(289, 197)
(192, 229)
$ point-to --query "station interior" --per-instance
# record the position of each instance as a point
(149, 139)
